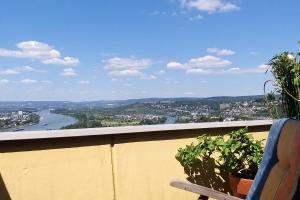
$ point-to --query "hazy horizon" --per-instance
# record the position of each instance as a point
(179, 97)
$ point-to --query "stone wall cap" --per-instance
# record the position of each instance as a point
(31, 135)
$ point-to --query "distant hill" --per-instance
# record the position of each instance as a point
(39, 105)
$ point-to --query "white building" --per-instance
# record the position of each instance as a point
(20, 114)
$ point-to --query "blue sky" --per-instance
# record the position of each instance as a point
(96, 50)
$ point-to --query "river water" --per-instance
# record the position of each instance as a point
(49, 121)
(171, 120)
(52, 121)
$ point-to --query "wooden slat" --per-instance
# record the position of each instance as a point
(202, 190)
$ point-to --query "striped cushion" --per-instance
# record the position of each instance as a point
(279, 172)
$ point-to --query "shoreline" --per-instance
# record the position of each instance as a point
(47, 121)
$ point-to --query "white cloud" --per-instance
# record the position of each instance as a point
(130, 66)
(196, 17)
(9, 72)
(200, 64)
(68, 72)
(210, 6)
(46, 82)
(213, 65)
(4, 81)
(228, 7)
(149, 77)
(175, 65)
(234, 70)
(161, 72)
(32, 81)
(39, 51)
(84, 82)
(69, 61)
(198, 71)
(18, 70)
(28, 81)
(220, 52)
(207, 62)
(127, 72)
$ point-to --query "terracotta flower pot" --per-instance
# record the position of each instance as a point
(240, 186)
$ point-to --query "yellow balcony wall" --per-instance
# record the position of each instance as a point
(57, 170)
(128, 163)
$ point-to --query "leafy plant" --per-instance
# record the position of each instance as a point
(239, 155)
(272, 105)
(286, 70)
(192, 153)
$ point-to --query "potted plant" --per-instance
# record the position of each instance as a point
(239, 156)
(285, 68)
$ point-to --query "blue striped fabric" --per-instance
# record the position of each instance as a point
(297, 192)
(268, 161)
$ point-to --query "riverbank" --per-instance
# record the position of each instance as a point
(48, 121)
(14, 120)
(95, 118)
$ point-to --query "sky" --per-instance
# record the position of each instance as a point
(80, 50)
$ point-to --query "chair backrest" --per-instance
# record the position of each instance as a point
(278, 175)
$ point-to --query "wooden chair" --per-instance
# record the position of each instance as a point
(278, 175)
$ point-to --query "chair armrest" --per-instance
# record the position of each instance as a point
(204, 191)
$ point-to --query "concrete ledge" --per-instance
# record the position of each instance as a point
(30, 135)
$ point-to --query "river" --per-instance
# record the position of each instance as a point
(49, 121)
(170, 120)
(52, 121)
